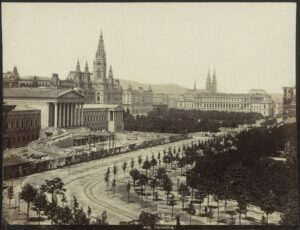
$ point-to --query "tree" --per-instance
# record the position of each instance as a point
(268, 204)
(140, 160)
(64, 215)
(146, 165)
(167, 186)
(183, 191)
(102, 220)
(75, 205)
(191, 209)
(135, 174)
(153, 163)
(156, 198)
(54, 187)
(115, 171)
(128, 189)
(132, 163)
(106, 179)
(80, 217)
(153, 184)
(124, 166)
(40, 203)
(148, 219)
(172, 203)
(10, 194)
(113, 184)
(181, 163)
(28, 194)
(200, 197)
(160, 173)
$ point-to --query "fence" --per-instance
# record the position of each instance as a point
(28, 168)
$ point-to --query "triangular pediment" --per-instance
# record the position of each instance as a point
(71, 94)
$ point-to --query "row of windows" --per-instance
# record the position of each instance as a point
(193, 105)
(23, 138)
(222, 100)
(212, 105)
(22, 124)
(92, 117)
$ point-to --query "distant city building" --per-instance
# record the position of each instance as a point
(257, 100)
(138, 101)
(103, 117)
(21, 127)
(289, 104)
(278, 106)
(97, 87)
(160, 99)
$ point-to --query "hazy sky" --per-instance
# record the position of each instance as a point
(252, 45)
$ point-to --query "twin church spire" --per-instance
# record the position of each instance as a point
(211, 83)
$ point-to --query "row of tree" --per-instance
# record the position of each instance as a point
(57, 208)
(182, 121)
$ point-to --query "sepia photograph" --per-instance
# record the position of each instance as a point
(152, 115)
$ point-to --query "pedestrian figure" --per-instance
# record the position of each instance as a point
(205, 209)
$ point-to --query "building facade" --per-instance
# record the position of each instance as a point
(60, 108)
(289, 104)
(209, 99)
(103, 117)
(22, 126)
(98, 87)
(138, 101)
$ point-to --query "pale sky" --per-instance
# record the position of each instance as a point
(252, 45)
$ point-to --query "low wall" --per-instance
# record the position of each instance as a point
(24, 169)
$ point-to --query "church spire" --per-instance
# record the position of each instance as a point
(214, 81)
(86, 69)
(194, 85)
(208, 81)
(78, 66)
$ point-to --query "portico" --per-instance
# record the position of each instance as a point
(60, 108)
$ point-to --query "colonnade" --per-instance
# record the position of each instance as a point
(68, 114)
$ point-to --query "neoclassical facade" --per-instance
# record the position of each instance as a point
(99, 117)
(60, 108)
(22, 126)
(139, 101)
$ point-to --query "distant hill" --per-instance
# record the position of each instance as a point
(156, 88)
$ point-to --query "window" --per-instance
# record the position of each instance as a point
(17, 124)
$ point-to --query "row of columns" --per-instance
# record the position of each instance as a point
(68, 114)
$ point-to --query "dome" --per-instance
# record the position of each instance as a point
(258, 91)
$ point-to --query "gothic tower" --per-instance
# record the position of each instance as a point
(195, 85)
(208, 82)
(100, 62)
(214, 82)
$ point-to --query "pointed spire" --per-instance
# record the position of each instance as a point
(214, 75)
(194, 85)
(100, 50)
(110, 73)
(208, 81)
(78, 66)
(86, 69)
